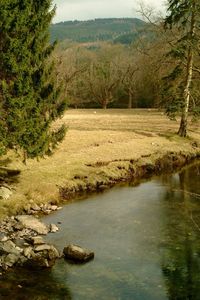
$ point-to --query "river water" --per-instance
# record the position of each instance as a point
(146, 240)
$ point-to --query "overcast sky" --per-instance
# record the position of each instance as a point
(91, 9)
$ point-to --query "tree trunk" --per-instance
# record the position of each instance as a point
(104, 104)
(186, 95)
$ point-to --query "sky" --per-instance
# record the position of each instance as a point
(91, 9)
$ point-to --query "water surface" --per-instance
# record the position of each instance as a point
(146, 241)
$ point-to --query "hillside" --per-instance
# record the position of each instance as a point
(122, 30)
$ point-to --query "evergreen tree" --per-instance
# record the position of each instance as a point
(185, 16)
(29, 103)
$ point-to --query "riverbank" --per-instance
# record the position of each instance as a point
(101, 148)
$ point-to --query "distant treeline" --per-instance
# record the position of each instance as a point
(122, 30)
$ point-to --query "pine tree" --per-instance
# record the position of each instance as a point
(185, 16)
(29, 102)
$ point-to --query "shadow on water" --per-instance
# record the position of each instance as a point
(33, 285)
(146, 241)
(181, 255)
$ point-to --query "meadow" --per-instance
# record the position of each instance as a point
(98, 147)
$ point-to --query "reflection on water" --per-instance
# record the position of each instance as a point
(146, 240)
(32, 285)
(181, 256)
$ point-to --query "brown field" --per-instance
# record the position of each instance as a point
(96, 142)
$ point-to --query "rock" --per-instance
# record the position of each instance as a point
(35, 207)
(53, 253)
(37, 240)
(44, 257)
(54, 207)
(19, 242)
(9, 247)
(78, 254)
(33, 224)
(42, 248)
(28, 252)
(53, 228)
(4, 239)
(11, 259)
(5, 193)
(22, 260)
(18, 226)
(37, 262)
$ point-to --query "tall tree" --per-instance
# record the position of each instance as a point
(29, 103)
(104, 75)
(185, 16)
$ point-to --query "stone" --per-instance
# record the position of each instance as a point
(22, 260)
(18, 226)
(28, 252)
(5, 193)
(37, 240)
(53, 228)
(42, 248)
(32, 223)
(11, 259)
(9, 247)
(35, 207)
(37, 261)
(53, 253)
(78, 254)
(44, 257)
(54, 207)
(4, 239)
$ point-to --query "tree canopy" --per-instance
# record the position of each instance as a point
(185, 17)
(29, 102)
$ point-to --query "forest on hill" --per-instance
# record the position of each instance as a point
(152, 71)
(123, 30)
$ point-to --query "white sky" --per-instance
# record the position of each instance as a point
(91, 9)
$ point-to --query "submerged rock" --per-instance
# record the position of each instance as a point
(78, 254)
(53, 228)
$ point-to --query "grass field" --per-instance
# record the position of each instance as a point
(96, 142)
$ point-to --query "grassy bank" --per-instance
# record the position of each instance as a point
(100, 149)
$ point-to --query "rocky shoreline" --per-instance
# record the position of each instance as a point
(22, 243)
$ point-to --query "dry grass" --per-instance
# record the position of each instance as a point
(102, 139)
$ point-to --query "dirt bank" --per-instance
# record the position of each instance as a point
(127, 171)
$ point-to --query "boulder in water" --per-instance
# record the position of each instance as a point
(78, 254)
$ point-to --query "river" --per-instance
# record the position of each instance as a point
(146, 240)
